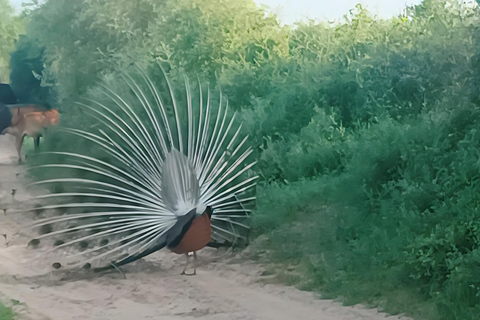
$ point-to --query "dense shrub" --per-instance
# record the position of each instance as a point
(27, 66)
(10, 28)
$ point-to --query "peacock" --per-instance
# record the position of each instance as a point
(164, 174)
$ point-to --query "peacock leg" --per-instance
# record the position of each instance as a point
(194, 263)
(186, 265)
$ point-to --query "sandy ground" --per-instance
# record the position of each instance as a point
(227, 286)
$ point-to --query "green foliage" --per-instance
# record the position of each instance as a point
(195, 35)
(398, 179)
(10, 28)
(402, 214)
(367, 131)
(313, 151)
(6, 313)
(26, 66)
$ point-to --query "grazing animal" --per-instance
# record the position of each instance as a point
(177, 176)
(26, 120)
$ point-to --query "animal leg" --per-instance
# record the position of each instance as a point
(18, 145)
(194, 265)
(186, 264)
(36, 143)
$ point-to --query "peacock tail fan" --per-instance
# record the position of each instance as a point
(150, 161)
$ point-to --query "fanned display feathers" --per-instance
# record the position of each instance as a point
(157, 165)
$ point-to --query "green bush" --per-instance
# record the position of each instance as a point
(6, 313)
(26, 66)
(10, 28)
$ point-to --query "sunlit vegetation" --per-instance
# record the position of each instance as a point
(10, 28)
(6, 313)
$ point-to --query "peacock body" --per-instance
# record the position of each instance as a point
(172, 175)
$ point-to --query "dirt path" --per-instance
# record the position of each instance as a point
(226, 287)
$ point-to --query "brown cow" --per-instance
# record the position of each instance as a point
(30, 121)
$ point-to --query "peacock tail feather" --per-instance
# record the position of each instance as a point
(163, 162)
